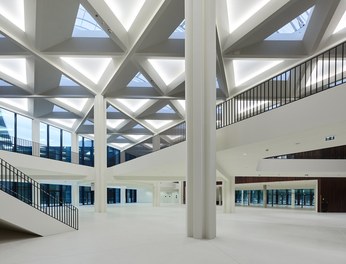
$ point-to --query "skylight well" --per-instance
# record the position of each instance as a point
(86, 26)
(139, 81)
(295, 29)
(166, 110)
(64, 81)
(179, 32)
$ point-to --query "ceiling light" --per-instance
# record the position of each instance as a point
(135, 137)
(168, 69)
(14, 68)
(13, 11)
(20, 103)
(133, 104)
(120, 145)
(125, 11)
(91, 68)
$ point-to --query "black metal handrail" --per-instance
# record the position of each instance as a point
(22, 187)
(23, 146)
(319, 73)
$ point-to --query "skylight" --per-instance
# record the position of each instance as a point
(168, 69)
(91, 67)
(179, 32)
(341, 25)
(157, 124)
(64, 81)
(2, 36)
(138, 126)
(111, 109)
(125, 11)
(133, 104)
(217, 84)
(120, 145)
(86, 26)
(136, 137)
(14, 68)
(76, 103)
(20, 103)
(139, 81)
(245, 69)
(13, 11)
(114, 123)
(3, 83)
(295, 29)
(88, 123)
(58, 109)
(65, 122)
(166, 110)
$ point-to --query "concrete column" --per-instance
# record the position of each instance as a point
(156, 143)
(100, 143)
(293, 198)
(122, 156)
(36, 137)
(265, 198)
(181, 192)
(228, 195)
(74, 148)
(242, 197)
(156, 194)
(200, 72)
(248, 198)
(123, 195)
(75, 194)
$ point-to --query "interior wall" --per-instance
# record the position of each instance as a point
(144, 196)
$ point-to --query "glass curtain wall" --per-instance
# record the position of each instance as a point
(55, 143)
(303, 198)
(55, 194)
(15, 132)
(86, 151)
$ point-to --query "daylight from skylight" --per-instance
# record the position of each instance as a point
(86, 26)
(166, 110)
(179, 32)
(64, 81)
(295, 29)
(13, 11)
(139, 81)
(341, 25)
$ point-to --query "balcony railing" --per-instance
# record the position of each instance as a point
(22, 187)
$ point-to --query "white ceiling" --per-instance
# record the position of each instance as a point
(37, 48)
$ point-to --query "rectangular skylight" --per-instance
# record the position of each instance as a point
(179, 32)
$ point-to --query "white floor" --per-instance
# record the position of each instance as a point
(142, 234)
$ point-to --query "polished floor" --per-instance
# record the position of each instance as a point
(143, 234)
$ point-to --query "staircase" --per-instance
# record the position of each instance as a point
(21, 207)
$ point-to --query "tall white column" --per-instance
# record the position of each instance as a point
(228, 195)
(122, 157)
(200, 71)
(123, 195)
(74, 148)
(100, 142)
(156, 143)
(156, 194)
(75, 194)
(242, 197)
(181, 192)
(265, 197)
(293, 198)
(36, 137)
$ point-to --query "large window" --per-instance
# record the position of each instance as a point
(86, 195)
(15, 132)
(131, 196)
(113, 195)
(113, 156)
(86, 151)
(55, 195)
(55, 143)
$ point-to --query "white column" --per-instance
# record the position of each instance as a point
(200, 72)
(123, 195)
(36, 194)
(100, 142)
(265, 198)
(74, 148)
(156, 143)
(228, 195)
(75, 194)
(122, 156)
(293, 198)
(156, 194)
(181, 192)
(36, 137)
(242, 197)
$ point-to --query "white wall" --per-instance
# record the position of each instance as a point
(170, 197)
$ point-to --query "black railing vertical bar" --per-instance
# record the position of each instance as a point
(19, 185)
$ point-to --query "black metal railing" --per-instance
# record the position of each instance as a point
(36, 149)
(323, 71)
(319, 73)
(22, 187)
